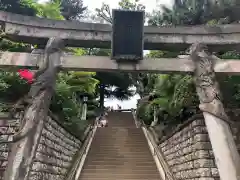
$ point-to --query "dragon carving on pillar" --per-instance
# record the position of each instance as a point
(35, 110)
(207, 86)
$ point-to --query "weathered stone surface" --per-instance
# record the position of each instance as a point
(104, 63)
(7, 129)
(44, 149)
(203, 178)
(36, 30)
(193, 173)
(45, 176)
(55, 126)
(55, 151)
(215, 172)
(204, 163)
(49, 159)
(189, 153)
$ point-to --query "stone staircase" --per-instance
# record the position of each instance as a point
(119, 152)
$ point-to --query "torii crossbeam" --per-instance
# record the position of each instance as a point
(38, 30)
(102, 63)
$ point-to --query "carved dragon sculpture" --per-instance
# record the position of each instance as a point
(44, 80)
(206, 84)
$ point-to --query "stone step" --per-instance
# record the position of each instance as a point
(116, 141)
(108, 146)
(121, 171)
(115, 176)
(106, 166)
(124, 139)
(120, 159)
(118, 163)
(99, 178)
(119, 152)
(110, 162)
(105, 131)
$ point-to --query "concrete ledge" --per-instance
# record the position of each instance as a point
(101, 63)
(37, 30)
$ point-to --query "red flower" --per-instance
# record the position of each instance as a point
(26, 74)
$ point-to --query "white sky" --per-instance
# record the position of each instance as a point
(150, 6)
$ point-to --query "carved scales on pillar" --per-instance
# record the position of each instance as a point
(38, 99)
(217, 121)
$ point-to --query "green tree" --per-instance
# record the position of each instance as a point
(72, 9)
(121, 81)
(66, 102)
(177, 92)
(195, 12)
(50, 10)
(18, 6)
(111, 84)
(105, 11)
(25, 7)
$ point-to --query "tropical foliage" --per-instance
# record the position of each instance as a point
(115, 85)
(176, 98)
(174, 93)
(70, 85)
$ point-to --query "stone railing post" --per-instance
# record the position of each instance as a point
(216, 120)
(25, 142)
(155, 116)
(84, 111)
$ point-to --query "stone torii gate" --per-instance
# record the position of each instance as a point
(56, 34)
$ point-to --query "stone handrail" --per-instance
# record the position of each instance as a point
(137, 122)
(164, 169)
(88, 135)
(168, 175)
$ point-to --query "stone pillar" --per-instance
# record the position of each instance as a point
(216, 120)
(26, 141)
(155, 117)
(84, 111)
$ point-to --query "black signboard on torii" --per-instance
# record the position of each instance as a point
(127, 35)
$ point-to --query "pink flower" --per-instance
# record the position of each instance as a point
(26, 74)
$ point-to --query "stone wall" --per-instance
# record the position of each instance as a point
(8, 128)
(189, 153)
(55, 153)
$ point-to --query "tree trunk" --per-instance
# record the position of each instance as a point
(26, 141)
(216, 120)
(102, 93)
